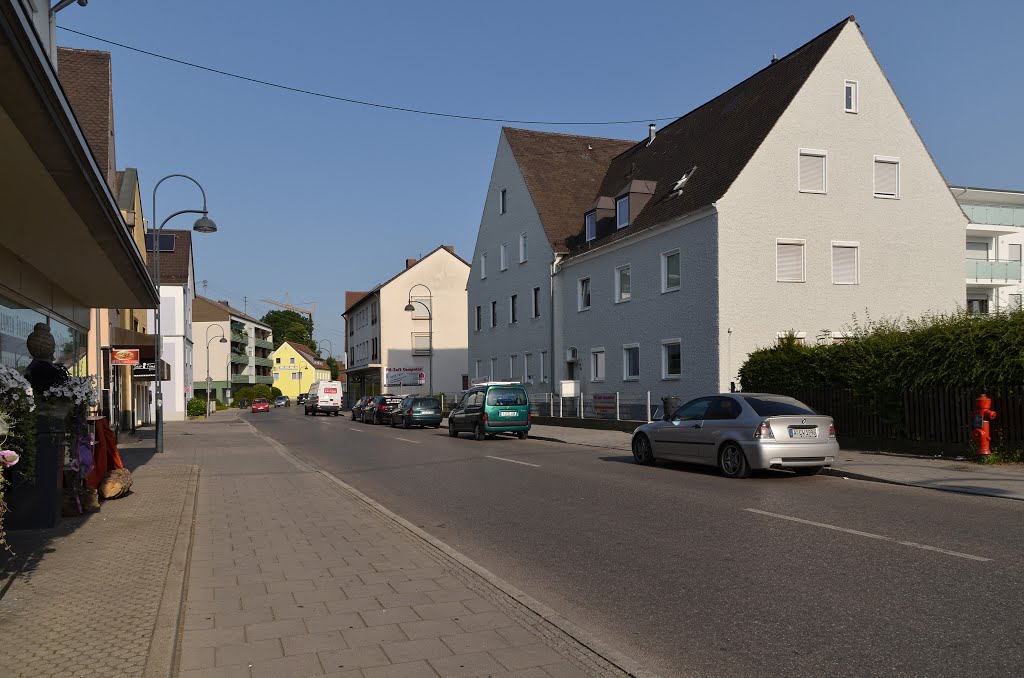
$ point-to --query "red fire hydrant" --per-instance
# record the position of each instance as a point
(982, 415)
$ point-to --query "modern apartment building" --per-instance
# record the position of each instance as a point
(771, 208)
(422, 350)
(245, 359)
(995, 235)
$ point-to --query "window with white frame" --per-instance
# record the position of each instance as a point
(622, 278)
(850, 102)
(799, 337)
(476, 369)
(845, 263)
(513, 309)
(522, 248)
(631, 362)
(527, 373)
(494, 368)
(503, 201)
(622, 212)
(543, 366)
(597, 364)
(512, 365)
(887, 177)
(535, 311)
(813, 177)
(670, 271)
(478, 319)
(483, 265)
(503, 256)
(590, 224)
(671, 359)
(494, 314)
(789, 261)
(583, 294)
(840, 337)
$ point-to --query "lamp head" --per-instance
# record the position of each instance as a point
(204, 224)
(409, 307)
(223, 341)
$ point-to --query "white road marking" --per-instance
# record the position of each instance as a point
(512, 461)
(869, 535)
(357, 430)
(415, 442)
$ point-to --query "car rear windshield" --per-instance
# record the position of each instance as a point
(506, 396)
(777, 406)
(426, 403)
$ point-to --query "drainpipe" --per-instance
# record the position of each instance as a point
(555, 267)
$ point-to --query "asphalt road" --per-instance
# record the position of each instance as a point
(692, 574)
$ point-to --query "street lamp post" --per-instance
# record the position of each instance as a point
(330, 353)
(203, 224)
(223, 340)
(430, 329)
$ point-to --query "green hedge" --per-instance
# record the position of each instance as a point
(196, 407)
(957, 349)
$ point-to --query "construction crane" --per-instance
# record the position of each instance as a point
(288, 305)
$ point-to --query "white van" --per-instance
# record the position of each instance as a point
(324, 396)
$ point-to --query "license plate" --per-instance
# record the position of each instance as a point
(510, 414)
(803, 433)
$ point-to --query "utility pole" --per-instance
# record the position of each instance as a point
(204, 288)
(245, 305)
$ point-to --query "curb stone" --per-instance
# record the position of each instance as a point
(595, 654)
(840, 473)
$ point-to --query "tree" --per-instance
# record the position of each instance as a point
(335, 367)
(289, 326)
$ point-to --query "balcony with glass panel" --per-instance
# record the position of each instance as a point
(263, 343)
(240, 337)
(264, 362)
(994, 220)
(240, 379)
(239, 358)
(264, 379)
(992, 272)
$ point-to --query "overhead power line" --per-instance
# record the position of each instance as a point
(359, 102)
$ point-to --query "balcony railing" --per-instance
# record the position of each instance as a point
(265, 362)
(238, 325)
(240, 337)
(264, 379)
(264, 343)
(240, 379)
(239, 358)
(993, 271)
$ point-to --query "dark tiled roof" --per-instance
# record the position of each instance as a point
(173, 265)
(718, 138)
(354, 298)
(205, 309)
(309, 354)
(85, 75)
(563, 173)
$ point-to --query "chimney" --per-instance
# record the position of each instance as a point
(409, 263)
(450, 248)
(223, 301)
(650, 134)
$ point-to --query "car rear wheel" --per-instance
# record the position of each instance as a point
(521, 435)
(451, 429)
(808, 470)
(642, 452)
(405, 423)
(478, 431)
(732, 462)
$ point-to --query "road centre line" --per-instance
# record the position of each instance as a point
(357, 430)
(869, 535)
(415, 442)
(513, 461)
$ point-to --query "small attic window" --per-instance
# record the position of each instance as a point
(622, 212)
(850, 96)
(503, 201)
(590, 222)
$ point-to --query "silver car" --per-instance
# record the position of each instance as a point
(741, 432)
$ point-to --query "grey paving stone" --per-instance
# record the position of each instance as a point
(483, 621)
(417, 669)
(430, 628)
(229, 619)
(297, 666)
(197, 622)
(197, 658)
(374, 635)
(213, 637)
(367, 590)
(247, 653)
(354, 658)
(291, 586)
(411, 650)
(403, 600)
(564, 670)
(479, 641)
(275, 629)
(314, 642)
(480, 605)
(466, 665)
(446, 596)
(441, 610)
(353, 605)
(415, 585)
(295, 611)
(517, 635)
(526, 656)
(318, 595)
(393, 615)
(219, 672)
(334, 622)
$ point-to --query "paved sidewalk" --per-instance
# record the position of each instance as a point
(295, 574)
(1006, 481)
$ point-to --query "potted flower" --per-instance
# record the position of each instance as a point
(68, 402)
(17, 435)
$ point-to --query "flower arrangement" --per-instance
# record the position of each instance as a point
(80, 395)
(77, 391)
(17, 432)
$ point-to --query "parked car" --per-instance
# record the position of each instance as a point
(260, 405)
(740, 433)
(323, 396)
(378, 410)
(489, 409)
(282, 401)
(301, 399)
(357, 408)
(243, 403)
(417, 411)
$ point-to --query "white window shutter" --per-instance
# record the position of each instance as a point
(789, 262)
(887, 178)
(844, 265)
(812, 173)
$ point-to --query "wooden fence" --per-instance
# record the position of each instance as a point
(939, 416)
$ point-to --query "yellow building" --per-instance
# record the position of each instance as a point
(296, 367)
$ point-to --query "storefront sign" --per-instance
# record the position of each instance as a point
(604, 403)
(124, 356)
(405, 376)
(146, 371)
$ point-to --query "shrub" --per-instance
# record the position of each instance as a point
(275, 392)
(196, 407)
(262, 391)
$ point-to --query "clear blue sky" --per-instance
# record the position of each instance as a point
(314, 197)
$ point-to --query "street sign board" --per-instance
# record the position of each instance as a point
(404, 376)
(124, 356)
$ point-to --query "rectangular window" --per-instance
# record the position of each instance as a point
(503, 201)
(812, 171)
(476, 369)
(503, 252)
(670, 271)
(977, 250)
(590, 222)
(800, 338)
(296, 375)
(850, 102)
(527, 376)
(597, 364)
(887, 177)
(583, 294)
(845, 263)
(291, 361)
(671, 359)
(277, 376)
(494, 314)
(535, 311)
(483, 265)
(544, 365)
(494, 368)
(789, 260)
(522, 248)
(277, 361)
(513, 309)
(631, 362)
(512, 365)
(977, 306)
(622, 212)
(622, 277)
(477, 324)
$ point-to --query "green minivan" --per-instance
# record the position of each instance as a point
(489, 409)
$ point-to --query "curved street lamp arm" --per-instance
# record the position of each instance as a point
(430, 293)
(183, 176)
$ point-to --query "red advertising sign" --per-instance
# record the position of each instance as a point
(124, 356)
(330, 389)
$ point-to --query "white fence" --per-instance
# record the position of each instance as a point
(611, 406)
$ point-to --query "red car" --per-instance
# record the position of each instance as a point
(260, 405)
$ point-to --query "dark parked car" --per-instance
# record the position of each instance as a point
(417, 411)
(357, 409)
(243, 403)
(301, 398)
(378, 410)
